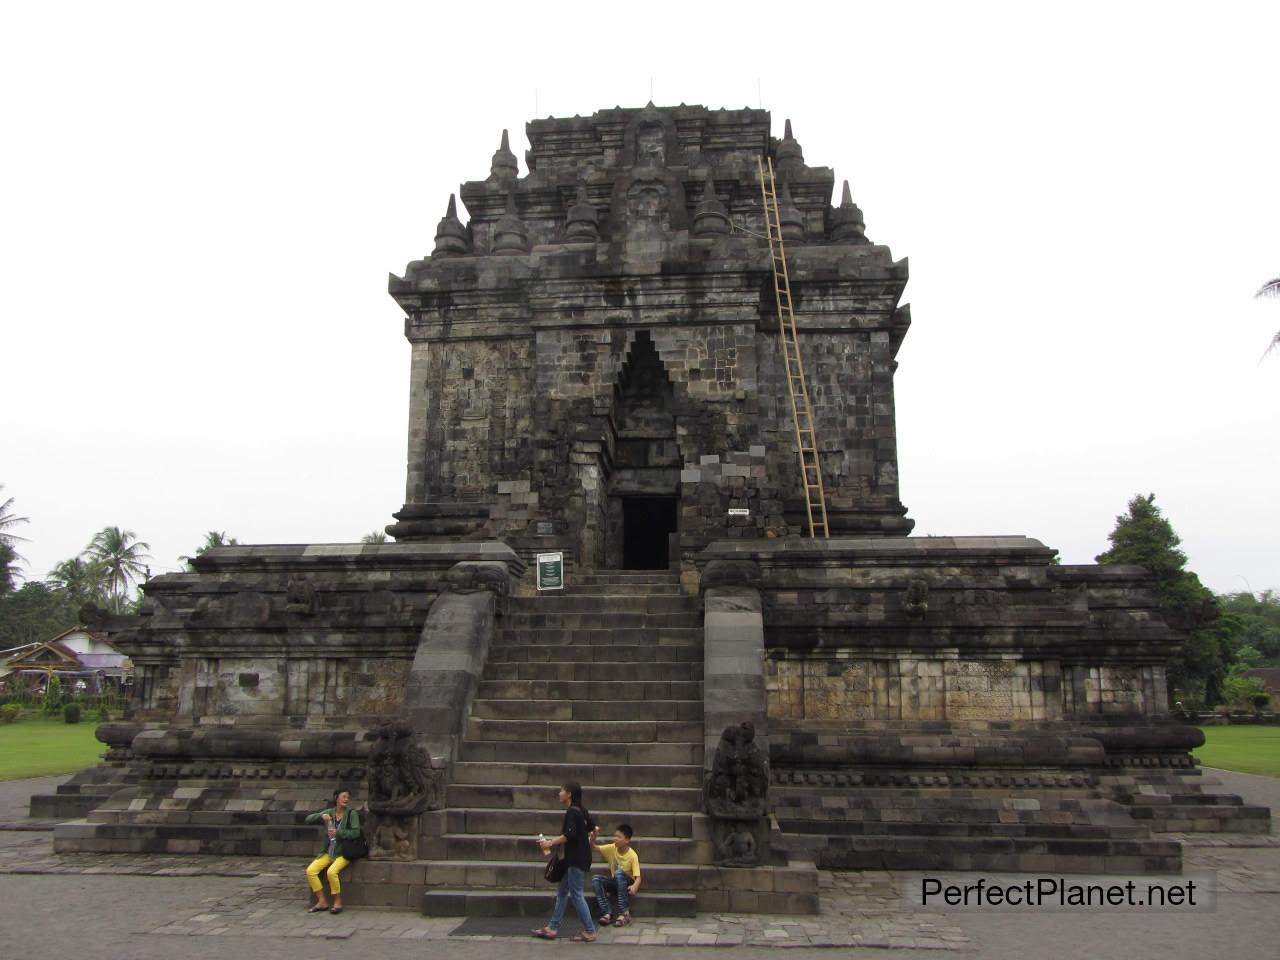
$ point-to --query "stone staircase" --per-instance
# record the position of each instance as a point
(1187, 801)
(601, 684)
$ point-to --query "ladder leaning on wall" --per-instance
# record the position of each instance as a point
(815, 497)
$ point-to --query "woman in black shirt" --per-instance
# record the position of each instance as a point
(575, 837)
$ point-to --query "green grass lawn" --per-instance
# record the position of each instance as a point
(42, 748)
(1245, 749)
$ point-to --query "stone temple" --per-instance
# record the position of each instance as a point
(597, 371)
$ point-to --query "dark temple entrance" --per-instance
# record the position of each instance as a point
(647, 523)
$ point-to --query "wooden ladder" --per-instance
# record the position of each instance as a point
(815, 497)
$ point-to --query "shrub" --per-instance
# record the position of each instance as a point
(71, 713)
(1240, 691)
(53, 695)
(10, 712)
(104, 713)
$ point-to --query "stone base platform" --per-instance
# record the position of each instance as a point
(1184, 800)
(190, 815)
(485, 888)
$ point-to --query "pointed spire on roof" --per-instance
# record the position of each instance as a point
(710, 217)
(510, 234)
(504, 165)
(847, 225)
(582, 225)
(451, 235)
(789, 153)
(790, 219)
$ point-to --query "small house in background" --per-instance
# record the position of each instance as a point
(1270, 677)
(82, 659)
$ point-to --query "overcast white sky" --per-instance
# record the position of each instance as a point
(199, 205)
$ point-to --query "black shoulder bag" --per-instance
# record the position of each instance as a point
(356, 848)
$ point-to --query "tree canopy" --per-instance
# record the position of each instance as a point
(123, 556)
(1271, 289)
(1143, 536)
(9, 556)
(1259, 617)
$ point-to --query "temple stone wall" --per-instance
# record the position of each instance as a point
(643, 224)
(296, 636)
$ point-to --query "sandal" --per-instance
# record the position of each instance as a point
(324, 909)
(584, 938)
(623, 920)
(605, 920)
(544, 933)
(335, 910)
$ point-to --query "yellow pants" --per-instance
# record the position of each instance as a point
(317, 867)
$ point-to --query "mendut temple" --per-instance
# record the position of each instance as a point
(662, 360)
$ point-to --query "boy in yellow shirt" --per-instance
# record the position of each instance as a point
(623, 881)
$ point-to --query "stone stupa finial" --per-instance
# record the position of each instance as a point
(451, 235)
(790, 155)
(583, 224)
(503, 165)
(847, 225)
(710, 217)
(790, 219)
(510, 236)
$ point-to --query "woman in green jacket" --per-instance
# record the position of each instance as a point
(341, 822)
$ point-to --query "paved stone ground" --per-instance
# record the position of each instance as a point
(211, 900)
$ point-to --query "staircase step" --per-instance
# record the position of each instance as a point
(606, 671)
(625, 576)
(543, 798)
(599, 618)
(591, 711)
(1207, 799)
(529, 823)
(523, 751)
(527, 874)
(583, 731)
(624, 636)
(479, 846)
(596, 653)
(648, 690)
(537, 903)
(554, 774)
(576, 589)
(606, 603)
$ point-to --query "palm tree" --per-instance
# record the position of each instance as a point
(7, 569)
(1270, 290)
(216, 538)
(9, 556)
(83, 581)
(377, 536)
(121, 554)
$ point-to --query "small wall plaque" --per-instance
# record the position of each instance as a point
(739, 512)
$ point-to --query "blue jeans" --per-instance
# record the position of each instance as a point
(571, 889)
(615, 887)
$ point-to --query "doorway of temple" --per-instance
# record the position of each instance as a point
(647, 525)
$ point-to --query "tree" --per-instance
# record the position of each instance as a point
(1270, 290)
(120, 552)
(83, 581)
(216, 538)
(377, 536)
(9, 556)
(8, 568)
(35, 613)
(1143, 536)
(1259, 616)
